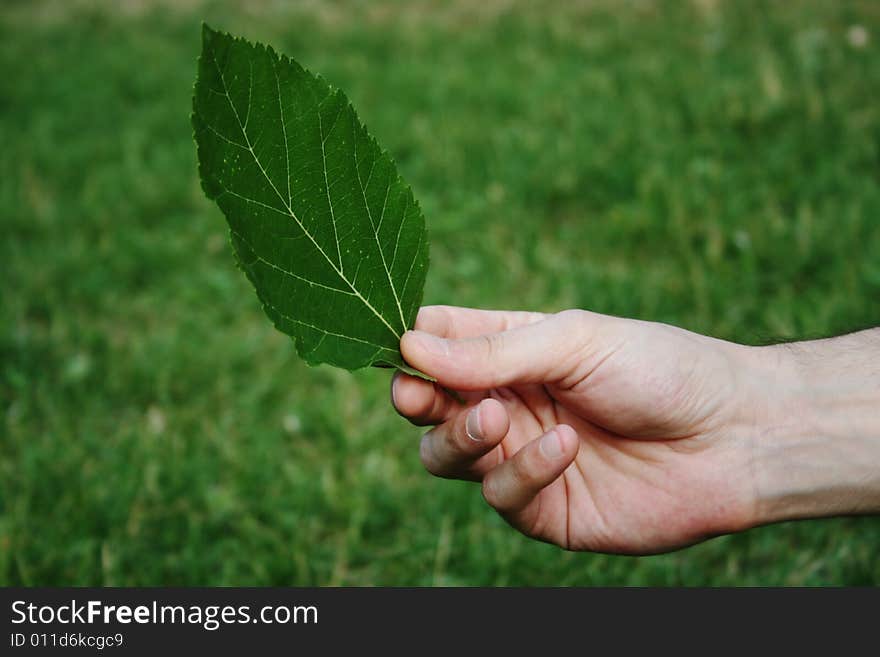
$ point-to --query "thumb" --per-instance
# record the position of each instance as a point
(542, 352)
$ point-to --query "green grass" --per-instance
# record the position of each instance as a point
(713, 165)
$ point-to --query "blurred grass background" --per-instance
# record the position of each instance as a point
(710, 164)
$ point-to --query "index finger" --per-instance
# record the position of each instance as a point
(455, 322)
(419, 401)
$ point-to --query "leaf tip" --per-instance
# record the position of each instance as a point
(208, 33)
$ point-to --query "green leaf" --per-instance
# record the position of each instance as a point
(320, 221)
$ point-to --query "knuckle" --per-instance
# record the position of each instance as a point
(491, 345)
(443, 319)
(523, 470)
(439, 406)
(572, 316)
(423, 315)
(574, 352)
(434, 319)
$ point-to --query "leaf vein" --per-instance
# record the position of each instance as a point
(400, 228)
(327, 188)
(290, 211)
(283, 132)
(373, 226)
(284, 271)
(321, 330)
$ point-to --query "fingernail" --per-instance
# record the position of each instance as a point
(472, 425)
(431, 343)
(394, 382)
(551, 445)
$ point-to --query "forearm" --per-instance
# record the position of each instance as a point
(817, 448)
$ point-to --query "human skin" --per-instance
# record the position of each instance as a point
(617, 435)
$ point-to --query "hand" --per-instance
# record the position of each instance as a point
(587, 431)
(608, 434)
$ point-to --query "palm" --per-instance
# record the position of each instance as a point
(616, 488)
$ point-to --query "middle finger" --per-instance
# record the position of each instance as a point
(456, 448)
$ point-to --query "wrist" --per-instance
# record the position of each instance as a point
(816, 437)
